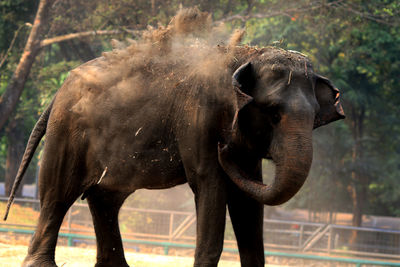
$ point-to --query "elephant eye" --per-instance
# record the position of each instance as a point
(276, 118)
(272, 112)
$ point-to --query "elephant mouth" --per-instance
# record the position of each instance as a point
(268, 156)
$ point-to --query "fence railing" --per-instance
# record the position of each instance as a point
(180, 228)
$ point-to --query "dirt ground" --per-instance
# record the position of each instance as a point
(13, 252)
(13, 255)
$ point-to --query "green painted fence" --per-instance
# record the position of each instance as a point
(166, 245)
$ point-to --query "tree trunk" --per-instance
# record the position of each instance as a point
(153, 8)
(10, 97)
(360, 179)
(15, 151)
(359, 186)
(359, 198)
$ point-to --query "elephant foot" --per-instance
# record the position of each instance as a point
(205, 265)
(29, 262)
(113, 264)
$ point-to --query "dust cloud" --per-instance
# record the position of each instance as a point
(129, 106)
(189, 44)
(189, 53)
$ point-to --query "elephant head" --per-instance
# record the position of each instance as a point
(280, 100)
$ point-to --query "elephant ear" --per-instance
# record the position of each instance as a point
(243, 81)
(328, 97)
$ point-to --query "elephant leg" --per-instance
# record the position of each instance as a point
(104, 207)
(42, 247)
(210, 199)
(247, 221)
(56, 197)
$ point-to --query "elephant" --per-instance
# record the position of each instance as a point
(147, 117)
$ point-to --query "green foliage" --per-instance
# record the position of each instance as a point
(50, 78)
(13, 13)
(359, 52)
(3, 156)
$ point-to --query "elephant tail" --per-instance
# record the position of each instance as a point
(34, 139)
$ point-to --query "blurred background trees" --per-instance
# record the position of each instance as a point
(355, 43)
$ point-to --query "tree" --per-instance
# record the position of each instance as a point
(353, 43)
(35, 43)
(9, 98)
(16, 132)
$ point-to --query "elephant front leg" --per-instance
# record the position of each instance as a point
(104, 206)
(247, 221)
(210, 198)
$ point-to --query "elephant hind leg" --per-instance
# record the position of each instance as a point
(61, 175)
(42, 247)
(41, 250)
(104, 206)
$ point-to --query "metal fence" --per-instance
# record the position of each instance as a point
(331, 239)
(179, 228)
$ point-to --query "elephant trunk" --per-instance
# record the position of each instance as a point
(292, 155)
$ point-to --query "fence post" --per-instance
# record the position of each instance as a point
(330, 238)
(70, 242)
(166, 249)
(171, 225)
(301, 236)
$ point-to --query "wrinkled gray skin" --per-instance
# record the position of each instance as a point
(215, 142)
